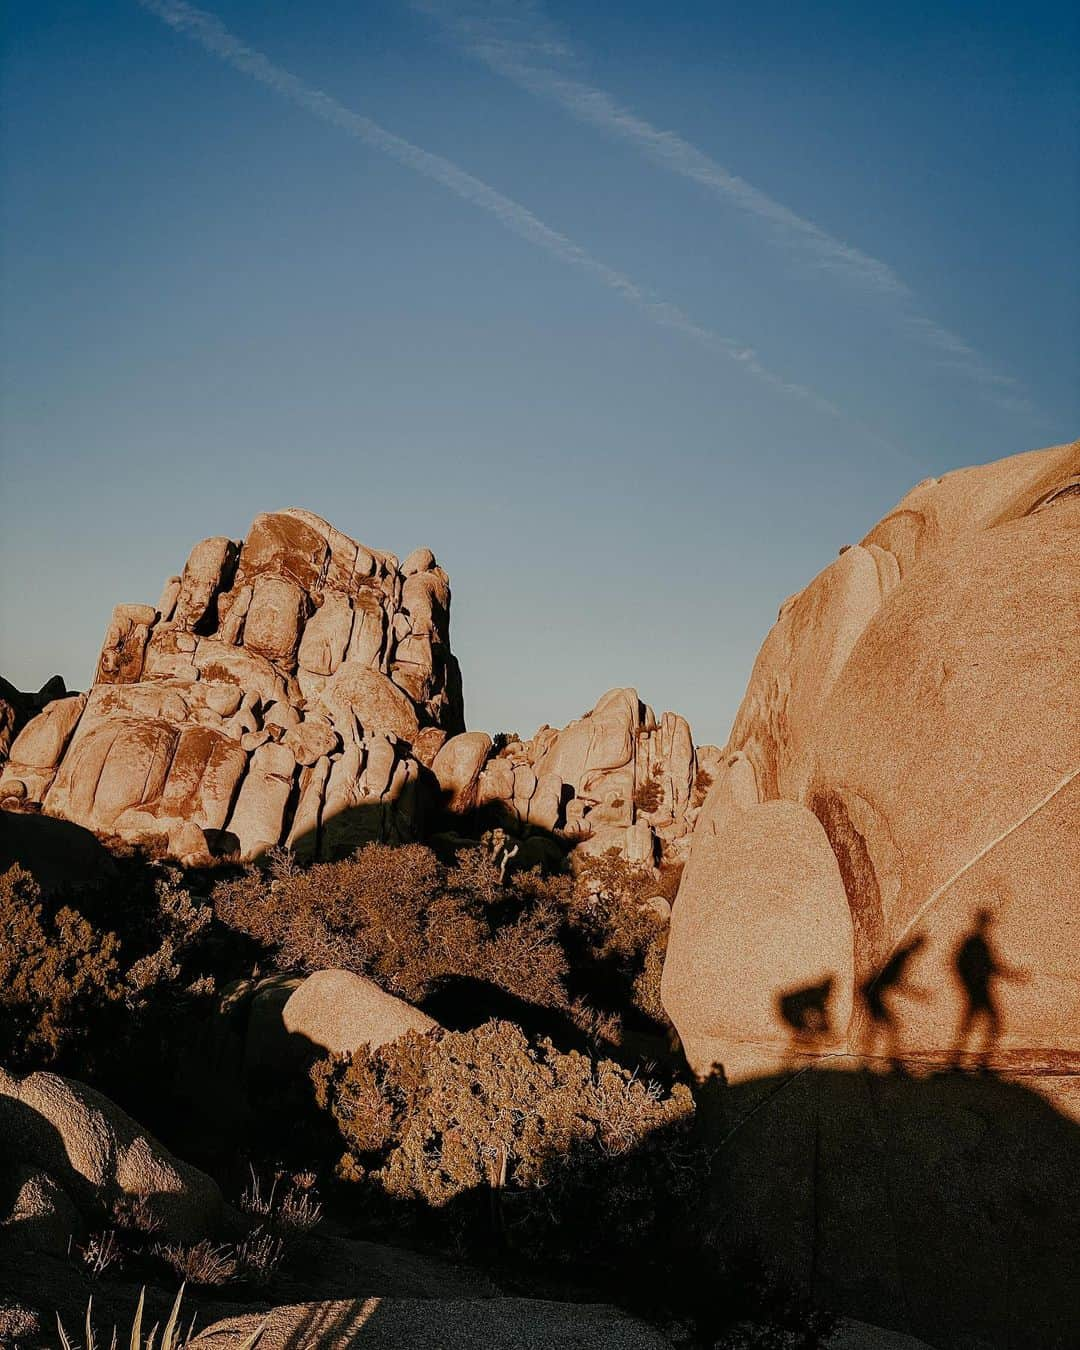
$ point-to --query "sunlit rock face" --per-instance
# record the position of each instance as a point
(916, 708)
(617, 778)
(296, 688)
(882, 881)
(276, 693)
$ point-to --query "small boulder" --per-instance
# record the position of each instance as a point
(337, 1011)
(42, 1217)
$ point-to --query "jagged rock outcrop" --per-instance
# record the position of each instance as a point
(298, 688)
(273, 694)
(618, 777)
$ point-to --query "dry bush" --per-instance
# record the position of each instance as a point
(135, 1214)
(54, 969)
(73, 992)
(17, 1323)
(199, 1263)
(562, 1137)
(101, 1253)
(299, 1212)
(408, 920)
(703, 781)
(290, 1208)
(581, 950)
(649, 795)
(616, 930)
(258, 1256)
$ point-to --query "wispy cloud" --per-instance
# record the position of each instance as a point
(515, 39)
(211, 33)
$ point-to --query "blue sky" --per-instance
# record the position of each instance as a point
(635, 314)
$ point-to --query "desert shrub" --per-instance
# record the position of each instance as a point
(649, 795)
(292, 1207)
(583, 1157)
(703, 781)
(407, 920)
(54, 970)
(76, 995)
(467, 942)
(616, 932)
(17, 1323)
(102, 1252)
(199, 1263)
(134, 1214)
(259, 1256)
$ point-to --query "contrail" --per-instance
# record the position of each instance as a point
(212, 34)
(514, 39)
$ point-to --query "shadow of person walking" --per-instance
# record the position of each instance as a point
(977, 968)
(878, 993)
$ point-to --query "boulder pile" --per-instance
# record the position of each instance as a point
(298, 689)
(618, 778)
(285, 689)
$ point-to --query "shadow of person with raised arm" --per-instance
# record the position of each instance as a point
(977, 967)
(878, 994)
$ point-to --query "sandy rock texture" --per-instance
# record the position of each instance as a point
(917, 708)
(618, 777)
(440, 1324)
(291, 1019)
(882, 884)
(272, 695)
(337, 1012)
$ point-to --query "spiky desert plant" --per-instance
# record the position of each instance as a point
(171, 1337)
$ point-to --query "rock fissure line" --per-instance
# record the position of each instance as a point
(988, 848)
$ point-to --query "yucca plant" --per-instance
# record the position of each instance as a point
(171, 1337)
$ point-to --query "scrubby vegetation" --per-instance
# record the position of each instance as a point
(582, 947)
(703, 781)
(487, 1111)
(549, 1129)
(407, 920)
(649, 795)
(69, 988)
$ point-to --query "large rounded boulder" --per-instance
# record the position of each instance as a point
(918, 699)
(93, 1152)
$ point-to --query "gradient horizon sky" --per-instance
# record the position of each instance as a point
(633, 388)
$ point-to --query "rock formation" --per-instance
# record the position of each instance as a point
(915, 708)
(282, 690)
(617, 778)
(293, 1019)
(298, 688)
(77, 1153)
(884, 872)
(17, 708)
